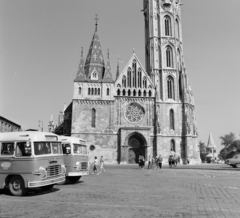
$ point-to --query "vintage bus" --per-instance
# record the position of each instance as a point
(75, 158)
(30, 160)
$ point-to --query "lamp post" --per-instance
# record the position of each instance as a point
(39, 125)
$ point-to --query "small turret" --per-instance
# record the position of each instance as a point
(81, 72)
(108, 75)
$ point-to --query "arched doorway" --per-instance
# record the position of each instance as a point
(137, 147)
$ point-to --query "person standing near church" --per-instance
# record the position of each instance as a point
(95, 166)
(149, 162)
(102, 165)
(160, 161)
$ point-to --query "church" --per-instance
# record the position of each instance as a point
(143, 111)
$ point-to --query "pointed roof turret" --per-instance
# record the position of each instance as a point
(108, 75)
(95, 60)
(81, 72)
(118, 73)
(64, 107)
(211, 143)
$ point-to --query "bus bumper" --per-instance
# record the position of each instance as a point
(84, 173)
(49, 181)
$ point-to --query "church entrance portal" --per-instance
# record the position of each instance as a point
(137, 146)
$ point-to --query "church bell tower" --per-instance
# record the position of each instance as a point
(165, 65)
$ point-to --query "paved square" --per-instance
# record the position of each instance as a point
(125, 191)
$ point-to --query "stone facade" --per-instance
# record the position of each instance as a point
(144, 111)
(8, 126)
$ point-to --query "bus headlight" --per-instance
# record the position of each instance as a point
(42, 172)
(77, 165)
(63, 169)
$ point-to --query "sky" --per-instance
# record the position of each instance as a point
(40, 48)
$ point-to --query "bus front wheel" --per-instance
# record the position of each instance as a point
(16, 186)
(73, 179)
(47, 187)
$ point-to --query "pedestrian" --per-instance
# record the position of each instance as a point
(160, 161)
(149, 162)
(141, 162)
(102, 165)
(95, 166)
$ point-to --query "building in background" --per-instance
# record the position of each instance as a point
(143, 111)
(8, 126)
(211, 150)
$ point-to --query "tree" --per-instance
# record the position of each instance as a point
(231, 150)
(227, 139)
(202, 149)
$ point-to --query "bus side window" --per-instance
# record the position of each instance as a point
(66, 148)
(7, 148)
(22, 149)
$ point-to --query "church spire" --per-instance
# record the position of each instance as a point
(95, 60)
(211, 143)
(81, 71)
(118, 73)
(108, 75)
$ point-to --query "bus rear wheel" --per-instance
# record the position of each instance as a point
(17, 186)
(73, 179)
(47, 187)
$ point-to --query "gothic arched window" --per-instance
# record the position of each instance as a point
(139, 93)
(98, 91)
(129, 92)
(89, 91)
(93, 118)
(134, 68)
(168, 26)
(139, 78)
(180, 86)
(118, 92)
(173, 145)
(179, 59)
(144, 82)
(177, 30)
(144, 93)
(124, 92)
(170, 86)
(150, 93)
(129, 74)
(92, 91)
(169, 56)
(158, 25)
(107, 91)
(79, 90)
(134, 92)
(124, 82)
(171, 117)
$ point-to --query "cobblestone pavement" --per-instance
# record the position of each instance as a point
(125, 191)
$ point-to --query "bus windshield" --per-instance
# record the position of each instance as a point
(79, 149)
(41, 148)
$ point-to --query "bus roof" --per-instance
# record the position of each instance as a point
(72, 139)
(25, 135)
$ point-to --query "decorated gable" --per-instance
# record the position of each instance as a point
(134, 81)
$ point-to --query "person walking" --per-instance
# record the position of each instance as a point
(149, 162)
(95, 166)
(160, 161)
(102, 165)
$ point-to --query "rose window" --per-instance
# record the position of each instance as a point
(134, 113)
